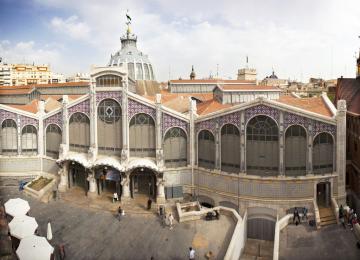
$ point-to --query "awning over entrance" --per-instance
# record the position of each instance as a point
(142, 163)
(76, 157)
(109, 161)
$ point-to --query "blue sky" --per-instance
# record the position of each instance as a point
(299, 39)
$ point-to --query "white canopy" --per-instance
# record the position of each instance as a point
(17, 207)
(34, 247)
(80, 158)
(109, 161)
(142, 162)
(22, 226)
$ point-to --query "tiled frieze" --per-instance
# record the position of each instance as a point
(24, 120)
(262, 110)
(170, 121)
(83, 107)
(54, 119)
(105, 95)
(6, 115)
(136, 108)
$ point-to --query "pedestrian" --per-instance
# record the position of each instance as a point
(350, 216)
(62, 251)
(341, 216)
(296, 217)
(149, 202)
(115, 197)
(119, 213)
(191, 253)
(171, 221)
(305, 211)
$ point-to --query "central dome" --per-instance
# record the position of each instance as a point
(134, 61)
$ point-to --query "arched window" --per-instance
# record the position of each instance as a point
(139, 71)
(147, 73)
(29, 140)
(175, 148)
(230, 148)
(295, 151)
(142, 136)
(206, 149)
(9, 139)
(108, 81)
(109, 127)
(262, 146)
(53, 140)
(323, 153)
(131, 70)
(79, 133)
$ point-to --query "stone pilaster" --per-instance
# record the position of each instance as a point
(160, 196)
(242, 143)
(158, 133)
(341, 150)
(217, 147)
(309, 164)
(64, 176)
(93, 150)
(125, 152)
(192, 135)
(41, 135)
(92, 183)
(125, 183)
(64, 146)
(18, 123)
(281, 145)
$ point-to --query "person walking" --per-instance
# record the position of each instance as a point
(191, 253)
(115, 197)
(62, 251)
(171, 221)
(149, 202)
(341, 216)
(296, 216)
(305, 211)
(119, 213)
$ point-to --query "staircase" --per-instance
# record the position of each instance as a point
(327, 217)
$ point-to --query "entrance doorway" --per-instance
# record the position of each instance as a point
(78, 176)
(108, 180)
(143, 182)
(323, 194)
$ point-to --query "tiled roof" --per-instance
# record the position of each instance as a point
(349, 90)
(32, 107)
(243, 87)
(315, 104)
(213, 81)
(210, 106)
(16, 91)
(59, 97)
(57, 85)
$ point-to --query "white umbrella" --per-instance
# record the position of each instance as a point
(22, 226)
(49, 232)
(34, 247)
(17, 207)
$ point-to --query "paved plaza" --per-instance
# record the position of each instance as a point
(91, 233)
(329, 243)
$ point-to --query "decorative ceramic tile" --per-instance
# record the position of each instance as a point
(108, 94)
(24, 120)
(54, 119)
(136, 108)
(6, 115)
(262, 110)
(83, 107)
(169, 121)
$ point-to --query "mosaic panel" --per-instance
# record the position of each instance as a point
(262, 110)
(136, 107)
(233, 118)
(6, 115)
(83, 107)
(170, 121)
(104, 95)
(54, 119)
(24, 120)
(319, 127)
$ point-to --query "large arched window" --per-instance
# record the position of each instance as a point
(29, 142)
(262, 146)
(108, 81)
(206, 149)
(142, 136)
(109, 127)
(175, 148)
(323, 153)
(53, 140)
(9, 139)
(230, 148)
(295, 151)
(79, 132)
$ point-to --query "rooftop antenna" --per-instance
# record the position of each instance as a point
(217, 70)
(247, 61)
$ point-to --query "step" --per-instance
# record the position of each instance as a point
(327, 223)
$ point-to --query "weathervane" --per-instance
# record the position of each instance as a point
(128, 21)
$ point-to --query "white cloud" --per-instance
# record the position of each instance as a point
(299, 39)
(71, 26)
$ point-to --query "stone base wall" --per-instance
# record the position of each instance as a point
(21, 165)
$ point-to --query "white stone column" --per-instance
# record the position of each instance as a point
(309, 164)
(18, 123)
(93, 150)
(64, 146)
(92, 183)
(160, 196)
(242, 143)
(217, 147)
(341, 150)
(281, 145)
(192, 135)
(125, 183)
(125, 152)
(64, 177)
(41, 135)
(158, 133)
